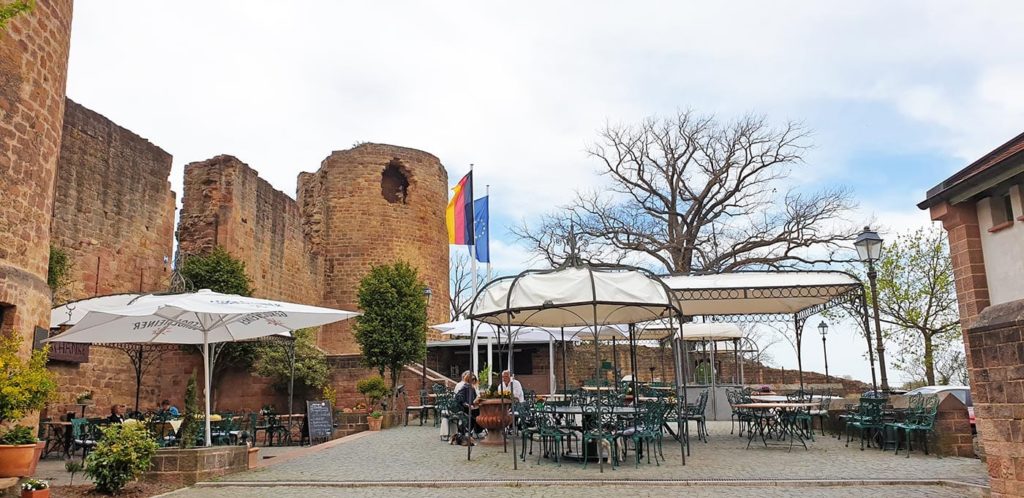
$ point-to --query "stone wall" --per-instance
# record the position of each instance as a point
(114, 208)
(113, 214)
(33, 75)
(189, 466)
(996, 367)
(226, 203)
(359, 214)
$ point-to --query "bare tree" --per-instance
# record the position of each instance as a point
(460, 284)
(693, 194)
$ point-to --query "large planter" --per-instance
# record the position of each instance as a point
(374, 423)
(495, 417)
(19, 460)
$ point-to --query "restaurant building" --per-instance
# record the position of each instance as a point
(982, 209)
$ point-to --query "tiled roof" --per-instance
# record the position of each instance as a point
(987, 162)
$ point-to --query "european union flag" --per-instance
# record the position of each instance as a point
(481, 230)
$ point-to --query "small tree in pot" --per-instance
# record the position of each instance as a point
(373, 389)
(25, 386)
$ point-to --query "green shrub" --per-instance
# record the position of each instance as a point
(19, 434)
(25, 386)
(373, 388)
(189, 423)
(123, 453)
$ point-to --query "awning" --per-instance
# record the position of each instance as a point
(711, 332)
(760, 293)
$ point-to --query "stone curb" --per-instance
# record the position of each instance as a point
(796, 483)
(299, 452)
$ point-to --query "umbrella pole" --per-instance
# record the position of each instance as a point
(615, 365)
(291, 389)
(565, 368)
(138, 377)
(551, 361)
(206, 377)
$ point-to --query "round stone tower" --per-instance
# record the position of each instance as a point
(370, 205)
(33, 74)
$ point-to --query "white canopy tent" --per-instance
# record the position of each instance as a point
(588, 297)
(199, 318)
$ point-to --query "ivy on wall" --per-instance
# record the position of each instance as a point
(9, 10)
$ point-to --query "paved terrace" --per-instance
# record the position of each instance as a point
(398, 461)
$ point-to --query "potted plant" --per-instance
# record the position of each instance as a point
(35, 488)
(373, 389)
(25, 387)
(84, 398)
(374, 420)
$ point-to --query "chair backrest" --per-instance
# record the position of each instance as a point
(929, 409)
(914, 403)
(871, 409)
(79, 427)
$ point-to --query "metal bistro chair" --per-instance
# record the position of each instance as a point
(820, 412)
(868, 420)
(923, 422)
(602, 426)
(424, 407)
(83, 435)
(740, 416)
(646, 430)
(695, 413)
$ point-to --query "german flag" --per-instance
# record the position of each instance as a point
(459, 215)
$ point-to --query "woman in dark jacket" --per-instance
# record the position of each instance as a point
(466, 398)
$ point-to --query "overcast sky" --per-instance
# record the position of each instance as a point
(898, 94)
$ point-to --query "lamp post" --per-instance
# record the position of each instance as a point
(426, 297)
(823, 329)
(869, 249)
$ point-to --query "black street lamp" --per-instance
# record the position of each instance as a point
(427, 293)
(823, 328)
(869, 249)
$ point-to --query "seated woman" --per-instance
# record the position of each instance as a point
(466, 398)
(116, 414)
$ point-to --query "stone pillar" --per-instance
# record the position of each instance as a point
(997, 386)
(33, 74)
(961, 224)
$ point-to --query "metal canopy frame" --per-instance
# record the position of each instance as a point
(846, 293)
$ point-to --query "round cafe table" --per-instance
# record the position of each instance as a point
(768, 423)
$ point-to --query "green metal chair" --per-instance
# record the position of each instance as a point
(695, 413)
(922, 422)
(424, 408)
(83, 436)
(646, 430)
(602, 426)
(867, 419)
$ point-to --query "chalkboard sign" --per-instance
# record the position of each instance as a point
(320, 421)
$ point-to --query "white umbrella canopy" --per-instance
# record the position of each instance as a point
(202, 317)
(73, 312)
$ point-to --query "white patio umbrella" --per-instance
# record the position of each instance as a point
(199, 318)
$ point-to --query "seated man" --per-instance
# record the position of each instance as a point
(167, 410)
(116, 414)
(510, 384)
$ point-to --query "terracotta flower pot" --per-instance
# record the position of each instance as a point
(493, 418)
(19, 460)
(35, 493)
(374, 422)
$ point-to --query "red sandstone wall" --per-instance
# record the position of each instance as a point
(226, 203)
(114, 215)
(355, 227)
(114, 208)
(33, 74)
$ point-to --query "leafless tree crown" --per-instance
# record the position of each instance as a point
(694, 194)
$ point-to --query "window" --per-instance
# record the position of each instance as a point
(1001, 207)
(6, 318)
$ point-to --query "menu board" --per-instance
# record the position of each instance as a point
(320, 420)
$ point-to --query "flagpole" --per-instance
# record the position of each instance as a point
(475, 350)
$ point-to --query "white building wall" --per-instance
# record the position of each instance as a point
(1004, 251)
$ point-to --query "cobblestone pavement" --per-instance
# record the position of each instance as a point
(417, 454)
